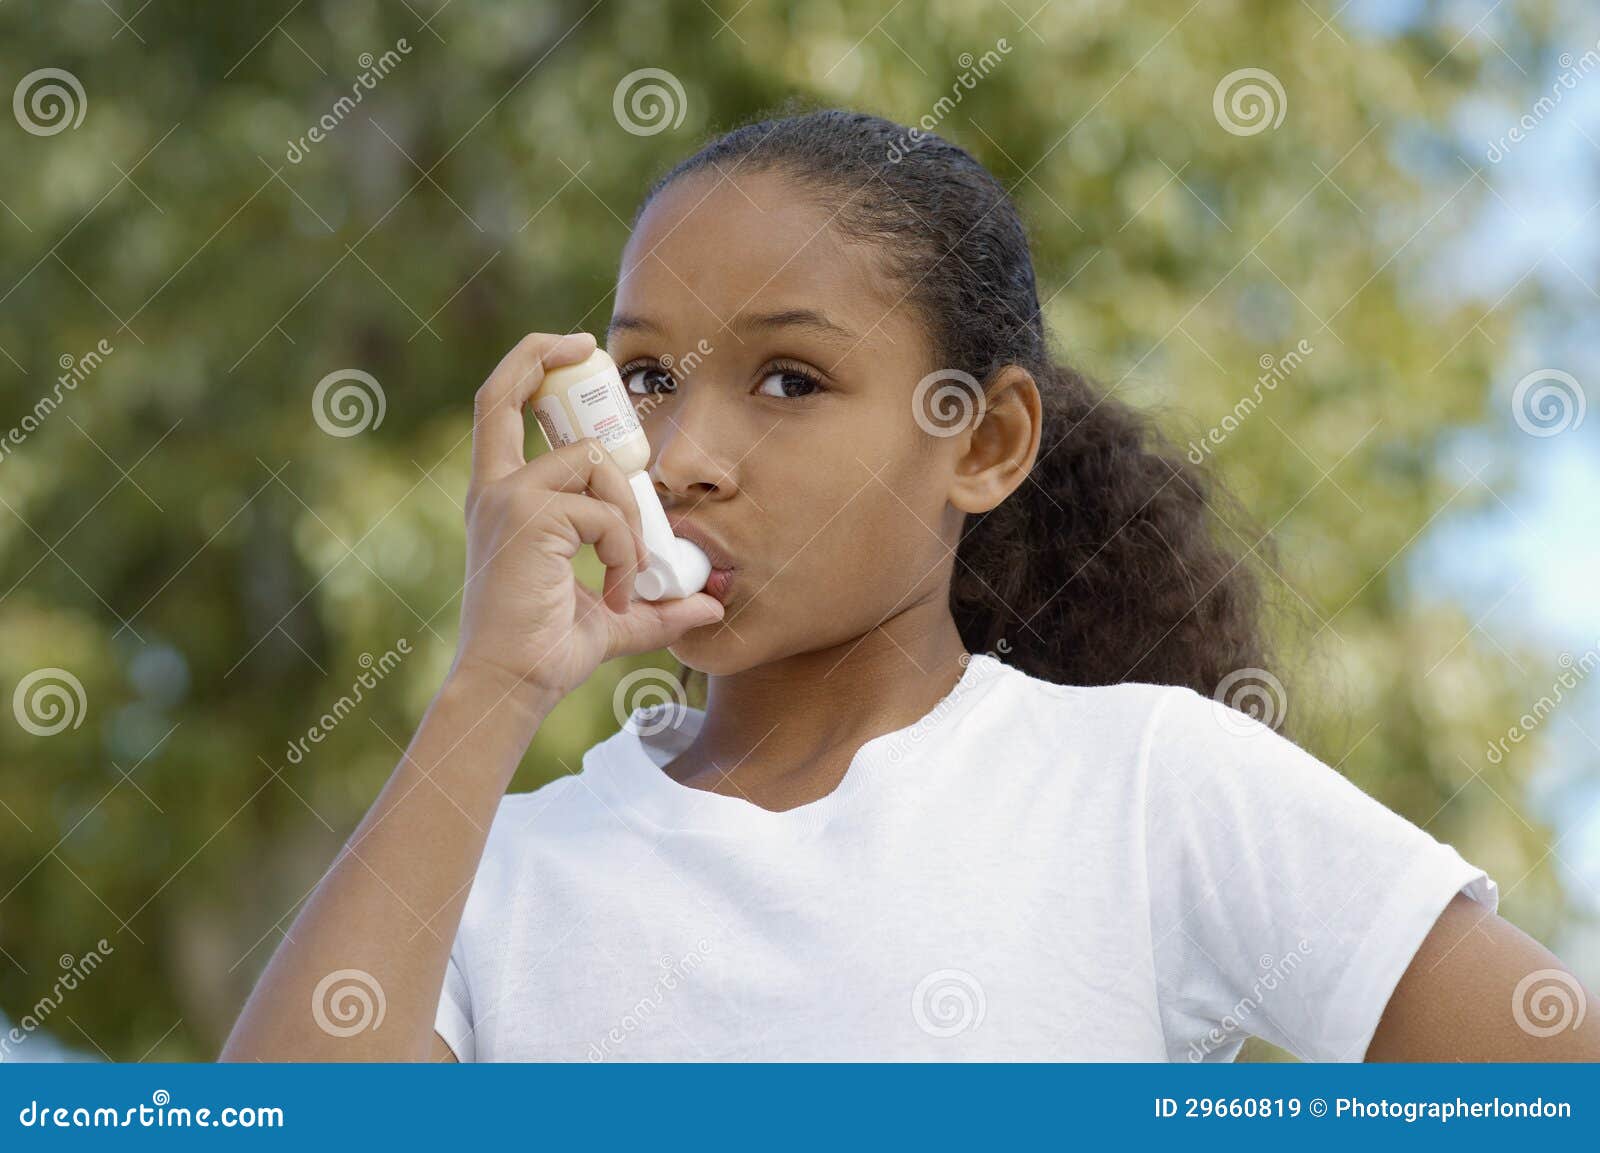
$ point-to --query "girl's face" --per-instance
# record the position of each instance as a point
(773, 365)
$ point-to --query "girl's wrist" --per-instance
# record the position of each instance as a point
(487, 713)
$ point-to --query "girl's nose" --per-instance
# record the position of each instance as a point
(686, 464)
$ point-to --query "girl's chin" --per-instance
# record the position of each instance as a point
(712, 649)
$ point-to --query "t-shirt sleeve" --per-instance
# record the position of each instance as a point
(453, 1020)
(1285, 903)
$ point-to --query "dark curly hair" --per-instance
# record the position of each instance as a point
(1104, 565)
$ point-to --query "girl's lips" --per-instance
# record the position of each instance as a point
(708, 544)
(719, 581)
(722, 564)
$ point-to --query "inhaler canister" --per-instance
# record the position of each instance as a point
(589, 399)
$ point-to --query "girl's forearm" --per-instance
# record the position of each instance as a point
(388, 909)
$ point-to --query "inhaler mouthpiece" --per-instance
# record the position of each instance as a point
(675, 568)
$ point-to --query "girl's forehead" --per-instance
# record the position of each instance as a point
(727, 242)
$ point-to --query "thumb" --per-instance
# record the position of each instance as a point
(651, 625)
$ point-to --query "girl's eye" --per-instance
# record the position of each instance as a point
(648, 380)
(788, 384)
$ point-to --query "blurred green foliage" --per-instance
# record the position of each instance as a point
(212, 566)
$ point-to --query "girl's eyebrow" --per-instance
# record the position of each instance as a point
(622, 322)
(807, 318)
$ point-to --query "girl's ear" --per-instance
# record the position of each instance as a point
(998, 451)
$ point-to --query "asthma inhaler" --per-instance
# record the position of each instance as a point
(588, 399)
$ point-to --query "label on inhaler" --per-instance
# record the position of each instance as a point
(604, 412)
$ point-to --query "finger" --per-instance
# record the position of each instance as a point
(497, 408)
(585, 466)
(584, 520)
(651, 625)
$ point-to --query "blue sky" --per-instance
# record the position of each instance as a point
(1529, 566)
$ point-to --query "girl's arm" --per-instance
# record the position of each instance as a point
(1480, 989)
(380, 924)
(386, 913)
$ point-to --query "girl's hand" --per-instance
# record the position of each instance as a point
(526, 621)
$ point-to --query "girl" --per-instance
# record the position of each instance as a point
(959, 789)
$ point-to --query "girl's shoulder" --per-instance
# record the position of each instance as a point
(1141, 715)
(1098, 717)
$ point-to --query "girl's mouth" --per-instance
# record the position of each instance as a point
(718, 583)
(722, 563)
(708, 544)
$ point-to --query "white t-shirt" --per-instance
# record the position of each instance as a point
(1030, 872)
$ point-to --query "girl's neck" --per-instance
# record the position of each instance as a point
(787, 730)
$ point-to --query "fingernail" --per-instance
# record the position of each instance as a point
(573, 344)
